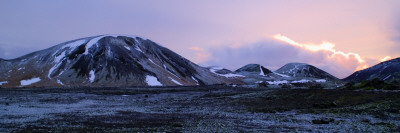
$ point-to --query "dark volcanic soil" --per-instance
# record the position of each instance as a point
(198, 109)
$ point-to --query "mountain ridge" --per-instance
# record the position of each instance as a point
(304, 70)
(387, 70)
(105, 60)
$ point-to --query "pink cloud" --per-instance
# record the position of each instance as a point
(349, 60)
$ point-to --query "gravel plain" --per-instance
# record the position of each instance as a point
(197, 109)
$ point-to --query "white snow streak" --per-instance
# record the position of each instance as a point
(58, 81)
(301, 81)
(75, 44)
(282, 75)
(387, 77)
(91, 43)
(320, 80)
(29, 81)
(261, 71)
(58, 58)
(3, 82)
(165, 67)
(138, 49)
(152, 81)
(173, 80)
(91, 76)
(278, 82)
(197, 82)
(229, 75)
(152, 61)
(127, 48)
(51, 70)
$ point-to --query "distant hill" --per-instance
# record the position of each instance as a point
(387, 71)
(304, 70)
(254, 68)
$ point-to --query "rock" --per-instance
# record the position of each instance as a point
(323, 121)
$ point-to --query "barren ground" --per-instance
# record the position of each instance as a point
(198, 109)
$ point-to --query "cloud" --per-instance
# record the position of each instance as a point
(334, 55)
(274, 54)
(386, 58)
(200, 55)
(268, 53)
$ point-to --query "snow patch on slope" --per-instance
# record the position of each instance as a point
(229, 75)
(278, 82)
(301, 81)
(91, 76)
(91, 43)
(59, 82)
(152, 81)
(128, 48)
(320, 80)
(59, 57)
(57, 60)
(166, 69)
(261, 71)
(75, 44)
(387, 77)
(29, 81)
(51, 70)
(138, 49)
(197, 82)
(282, 75)
(152, 61)
(176, 82)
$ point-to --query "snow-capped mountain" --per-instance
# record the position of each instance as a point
(106, 60)
(304, 70)
(224, 72)
(254, 68)
(388, 70)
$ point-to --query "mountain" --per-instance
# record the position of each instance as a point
(304, 70)
(254, 68)
(225, 72)
(106, 60)
(388, 70)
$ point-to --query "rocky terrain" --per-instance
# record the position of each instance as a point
(198, 109)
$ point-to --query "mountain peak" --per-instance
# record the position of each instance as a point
(304, 70)
(387, 70)
(257, 68)
(106, 60)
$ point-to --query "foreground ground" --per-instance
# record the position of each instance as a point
(198, 109)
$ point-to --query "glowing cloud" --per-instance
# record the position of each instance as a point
(200, 54)
(328, 48)
(386, 58)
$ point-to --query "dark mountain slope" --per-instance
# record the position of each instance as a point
(388, 70)
(106, 60)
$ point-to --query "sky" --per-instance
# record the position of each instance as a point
(338, 36)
